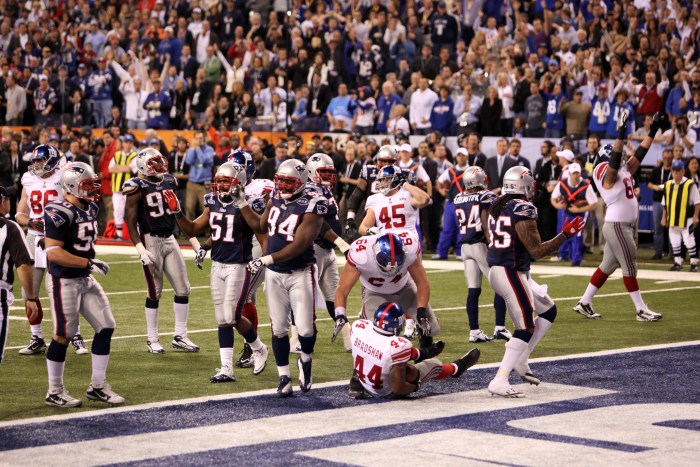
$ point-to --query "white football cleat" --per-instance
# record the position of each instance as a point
(79, 345)
(586, 310)
(154, 346)
(183, 343)
(260, 360)
(523, 370)
(646, 314)
(502, 334)
(503, 389)
(60, 398)
(223, 375)
(478, 335)
(104, 394)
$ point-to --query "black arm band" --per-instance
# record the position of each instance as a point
(615, 160)
(640, 153)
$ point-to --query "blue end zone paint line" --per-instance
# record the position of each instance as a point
(639, 377)
(682, 424)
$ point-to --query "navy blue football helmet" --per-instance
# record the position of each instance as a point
(604, 152)
(243, 158)
(45, 159)
(389, 253)
(388, 178)
(389, 319)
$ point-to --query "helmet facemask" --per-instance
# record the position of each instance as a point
(286, 187)
(326, 176)
(89, 190)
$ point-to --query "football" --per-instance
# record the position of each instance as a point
(579, 203)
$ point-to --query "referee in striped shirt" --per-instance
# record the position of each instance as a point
(14, 252)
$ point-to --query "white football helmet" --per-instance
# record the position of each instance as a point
(321, 170)
(475, 177)
(386, 155)
(151, 163)
(229, 177)
(518, 181)
(78, 179)
(290, 179)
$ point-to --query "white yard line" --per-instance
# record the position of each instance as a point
(196, 400)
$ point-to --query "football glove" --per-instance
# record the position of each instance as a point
(238, 195)
(573, 226)
(622, 125)
(257, 264)
(350, 229)
(173, 203)
(201, 254)
(656, 123)
(36, 224)
(422, 321)
(98, 266)
(340, 321)
(375, 230)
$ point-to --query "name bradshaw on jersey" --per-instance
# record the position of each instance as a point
(232, 237)
(77, 229)
(361, 255)
(153, 213)
(40, 192)
(374, 354)
(282, 223)
(505, 248)
(394, 212)
(620, 199)
(331, 216)
(468, 208)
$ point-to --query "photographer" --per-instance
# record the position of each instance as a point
(679, 134)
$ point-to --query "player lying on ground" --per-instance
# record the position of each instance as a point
(381, 356)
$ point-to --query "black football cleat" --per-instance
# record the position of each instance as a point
(467, 361)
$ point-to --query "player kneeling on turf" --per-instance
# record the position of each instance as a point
(71, 231)
(381, 357)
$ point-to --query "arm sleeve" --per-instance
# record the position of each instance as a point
(590, 195)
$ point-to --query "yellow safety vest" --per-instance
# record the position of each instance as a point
(119, 178)
(677, 197)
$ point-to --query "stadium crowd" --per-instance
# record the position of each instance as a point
(510, 69)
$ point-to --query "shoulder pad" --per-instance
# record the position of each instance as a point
(131, 186)
(26, 178)
(258, 205)
(209, 198)
(599, 172)
(318, 205)
(401, 353)
(488, 197)
(169, 178)
(525, 210)
(58, 214)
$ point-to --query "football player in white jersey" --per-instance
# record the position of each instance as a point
(616, 186)
(380, 356)
(41, 185)
(395, 207)
(390, 269)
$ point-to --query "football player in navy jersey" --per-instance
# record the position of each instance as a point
(256, 188)
(71, 231)
(514, 241)
(293, 220)
(232, 244)
(472, 212)
(151, 223)
(386, 155)
(322, 177)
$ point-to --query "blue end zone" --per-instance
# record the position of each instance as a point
(638, 377)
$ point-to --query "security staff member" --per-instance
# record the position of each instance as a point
(122, 168)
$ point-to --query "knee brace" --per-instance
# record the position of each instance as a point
(550, 314)
(150, 303)
(184, 299)
(102, 342)
(522, 334)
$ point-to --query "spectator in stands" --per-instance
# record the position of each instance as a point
(100, 91)
(649, 96)
(338, 111)
(554, 120)
(200, 158)
(535, 112)
(679, 135)
(269, 166)
(16, 99)
(364, 108)
(576, 115)
(442, 113)
(490, 114)
(385, 106)
(618, 106)
(422, 101)
(157, 106)
(44, 101)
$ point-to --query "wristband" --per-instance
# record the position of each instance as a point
(35, 299)
(140, 248)
(267, 260)
(615, 160)
(640, 153)
(351, 216)
(195, 243)
(340, 310)
(342, 245)
(89, 263)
